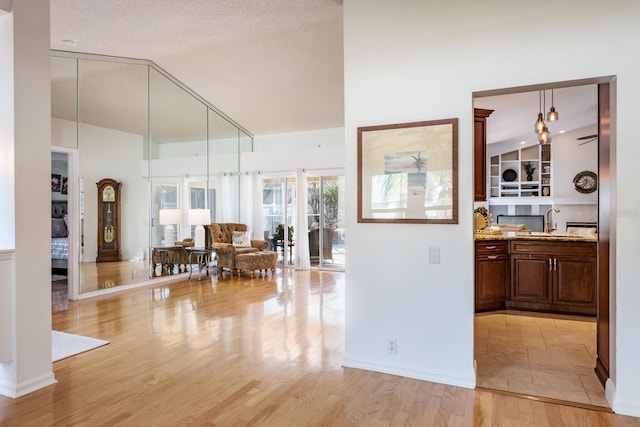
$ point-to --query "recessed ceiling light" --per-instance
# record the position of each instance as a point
(523, 142)
(70, 42)
(562, 131)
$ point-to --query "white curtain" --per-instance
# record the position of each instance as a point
(246, 201)
(226, 201)
(258, 215)
(303, 260)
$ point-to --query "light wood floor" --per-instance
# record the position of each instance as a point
(241, 352)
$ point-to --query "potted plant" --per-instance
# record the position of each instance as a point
(529, 169)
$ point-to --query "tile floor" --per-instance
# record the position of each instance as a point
(538, 355)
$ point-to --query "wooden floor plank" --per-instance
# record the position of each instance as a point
(238, 352)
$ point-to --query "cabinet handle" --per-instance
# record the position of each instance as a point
(555, 264)
(491, 247)
(550, 268)
(492, 256)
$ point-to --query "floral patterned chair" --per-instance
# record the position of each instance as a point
(220, 237)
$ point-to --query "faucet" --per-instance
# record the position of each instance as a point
(547, 225)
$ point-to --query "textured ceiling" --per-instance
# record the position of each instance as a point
(272, 66)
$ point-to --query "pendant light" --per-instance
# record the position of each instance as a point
(552, 115)
(544, 137)
(539, 126)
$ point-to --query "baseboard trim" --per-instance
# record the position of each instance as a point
(14, 391)
(410, 372)
(602, 371)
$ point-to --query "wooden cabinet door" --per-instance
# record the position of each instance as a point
(575, 280)
(531, 278)
(492, 281)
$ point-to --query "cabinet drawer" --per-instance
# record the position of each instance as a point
(492, 247)
(551, 248)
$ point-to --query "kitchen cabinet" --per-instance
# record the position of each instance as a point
(480, 153)
(492, 274)
(553, 276)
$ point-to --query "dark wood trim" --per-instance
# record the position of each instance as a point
(604, 230)
(480, 153)
(361, 150)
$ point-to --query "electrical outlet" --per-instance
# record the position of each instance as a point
(392, 346)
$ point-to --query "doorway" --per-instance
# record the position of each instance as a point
(595, 332)
(65, 227)
(326, 221)
(278, 206)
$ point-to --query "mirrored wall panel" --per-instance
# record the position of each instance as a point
(172, 158)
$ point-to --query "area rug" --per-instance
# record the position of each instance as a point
(64, 345)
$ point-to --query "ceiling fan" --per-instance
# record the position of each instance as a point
(587, 138)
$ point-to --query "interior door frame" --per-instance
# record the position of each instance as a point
(73, 216)
(606, 177)
(605, 287)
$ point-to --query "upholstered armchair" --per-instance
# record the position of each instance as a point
(219, 236)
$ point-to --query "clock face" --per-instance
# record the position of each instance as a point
(585, 182)
(108, 194)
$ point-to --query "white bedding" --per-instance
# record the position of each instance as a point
(59, 248)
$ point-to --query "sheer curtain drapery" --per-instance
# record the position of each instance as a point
(303, 261)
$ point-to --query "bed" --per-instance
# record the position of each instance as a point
(59, 237)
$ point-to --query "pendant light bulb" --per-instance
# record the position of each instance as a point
(539, 126)
(552, 115)
(544, 138)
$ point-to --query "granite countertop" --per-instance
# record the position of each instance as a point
(515, 235)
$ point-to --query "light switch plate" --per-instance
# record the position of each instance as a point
(434, 254)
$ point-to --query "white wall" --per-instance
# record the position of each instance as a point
(7, 233)
(569, 158)
(109, 153)
(318, 149)
(408, 61)
(24, 36)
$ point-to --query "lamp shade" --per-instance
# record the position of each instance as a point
(199, 216)
(169, 216)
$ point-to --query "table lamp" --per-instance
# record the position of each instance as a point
(199, 217)
(168, 218)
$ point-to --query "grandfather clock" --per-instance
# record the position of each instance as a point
(108, 220)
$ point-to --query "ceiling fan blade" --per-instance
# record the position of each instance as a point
(587, 138)
(587, 141)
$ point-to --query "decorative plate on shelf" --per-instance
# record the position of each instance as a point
(509, 175)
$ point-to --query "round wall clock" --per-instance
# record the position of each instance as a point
(585, 182)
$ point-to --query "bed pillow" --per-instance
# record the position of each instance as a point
(241, 239)
(58, 227)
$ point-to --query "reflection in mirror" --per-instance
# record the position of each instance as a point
(111, 135)
(64, 102)
(134, 123)
(178, 153)
(224, 165)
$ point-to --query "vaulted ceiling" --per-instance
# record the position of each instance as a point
(272, 66)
